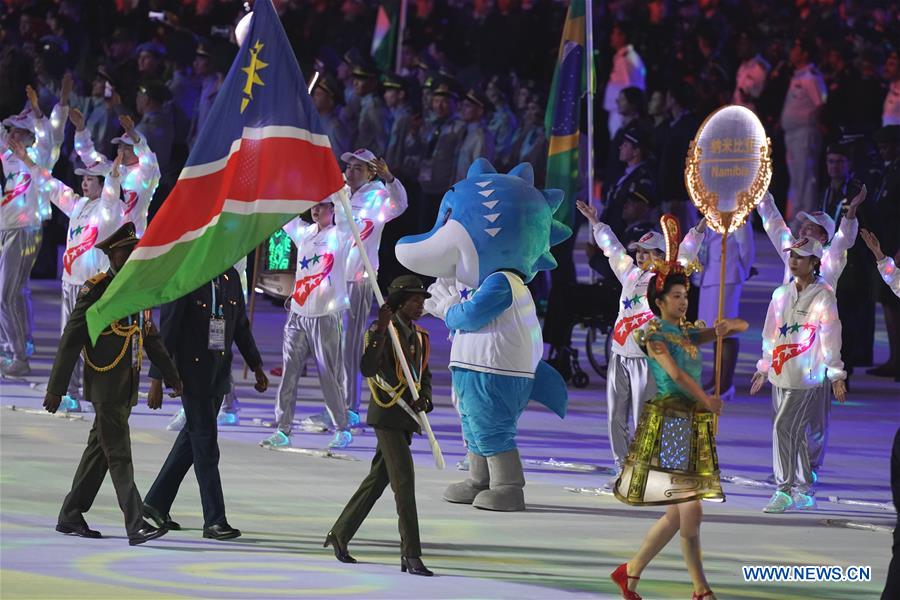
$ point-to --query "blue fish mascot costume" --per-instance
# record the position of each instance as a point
(492, 236)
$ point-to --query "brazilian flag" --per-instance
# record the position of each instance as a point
(564, 111)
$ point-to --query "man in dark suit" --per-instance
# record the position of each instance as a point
(393, 425)
(198, 330)
(638, 208)
(680, 104)
(885, 206)
(113, 368)
(635, 152)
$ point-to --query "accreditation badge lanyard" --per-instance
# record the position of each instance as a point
(216, 321)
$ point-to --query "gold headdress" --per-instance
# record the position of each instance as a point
(663, 268)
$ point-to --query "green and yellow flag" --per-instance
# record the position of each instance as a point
(564, 111)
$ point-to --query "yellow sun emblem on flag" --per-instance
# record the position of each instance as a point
(252, 70)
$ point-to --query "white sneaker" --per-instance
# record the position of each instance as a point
(342, 439)
(803, 501)
(778, 503)
(15, 368)
(276, 440)
(70, 404)
(228, 418)
(178, 421)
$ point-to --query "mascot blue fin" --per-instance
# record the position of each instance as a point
(559, 233)
(545, 262)
(523, 171)
(554, 198)
(481, 166)
(550, 389)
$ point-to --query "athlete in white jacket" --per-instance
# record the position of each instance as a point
(818, 226)
(22, 211)
(314, 324)
(93, 217)
(801, 350)
(373, 204)
(628, 381)
(139, 170)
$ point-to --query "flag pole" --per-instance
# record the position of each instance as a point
(256, 259)
(400, 28)
(312, 83)
(421, 417)
(589, 65)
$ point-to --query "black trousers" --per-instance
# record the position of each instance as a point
(108, 449)
(572, 302)
(393, 463)
(856, 305)
(197, 444)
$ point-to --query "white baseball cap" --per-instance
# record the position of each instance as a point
(98, 169)
(362, 154)
(651, 240)
(23, 120)
(806, 247)
(821, 219)
(123, 139)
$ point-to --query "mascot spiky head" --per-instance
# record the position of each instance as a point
(488, 222)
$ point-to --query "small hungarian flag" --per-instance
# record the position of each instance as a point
(384, 39)
(564, 111)
(261, 159)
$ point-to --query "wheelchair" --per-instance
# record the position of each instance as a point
(594, 307)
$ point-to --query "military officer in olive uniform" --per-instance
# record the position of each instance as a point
(199, 329)
(371, 131)
(112, 371)
(441, 140)
(394, 426)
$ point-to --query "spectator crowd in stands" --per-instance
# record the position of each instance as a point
(822, 75)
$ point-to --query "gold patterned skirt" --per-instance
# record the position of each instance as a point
(672, 458)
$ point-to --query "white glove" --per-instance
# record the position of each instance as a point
(443, 295)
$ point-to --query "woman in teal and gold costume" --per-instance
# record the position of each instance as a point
(672, 459)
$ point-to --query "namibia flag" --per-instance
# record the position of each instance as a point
(261, 159)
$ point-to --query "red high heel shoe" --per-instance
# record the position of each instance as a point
(696, 596)
(620, 576)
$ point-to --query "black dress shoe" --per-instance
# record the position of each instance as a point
(145, 534)
(222, 531)
(161, 520)
(81, 530)
(414, 566)
(340, 549)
